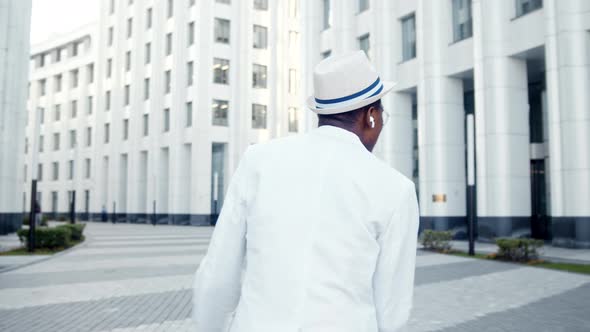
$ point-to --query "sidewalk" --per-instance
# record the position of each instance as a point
(548, 252)
(9, 242)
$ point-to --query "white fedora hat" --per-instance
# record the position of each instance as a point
(344, 83)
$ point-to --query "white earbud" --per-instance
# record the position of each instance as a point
(372, 122)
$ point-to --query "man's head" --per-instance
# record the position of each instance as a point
(347, 94)
(367, 122)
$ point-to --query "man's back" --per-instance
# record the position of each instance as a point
(328, 240)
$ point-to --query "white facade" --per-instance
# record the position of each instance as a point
(150, 155)
(62, 98)
(15, 19)
(521, 66)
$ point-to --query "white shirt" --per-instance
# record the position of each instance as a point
(316, 235)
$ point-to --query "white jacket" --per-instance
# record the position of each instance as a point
(316, 235)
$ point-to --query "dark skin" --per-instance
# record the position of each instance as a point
(359, 123)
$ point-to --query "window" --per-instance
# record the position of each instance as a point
(88, 136)
(146, 88)
(167, 81)
(462, 21)
(192, 3)
(293, 120)
(146, 124)
(42, 87)
(261, 4)
(327, 14)
(170, 8)
(87, 201)
(169, 43)
(107, 132)
(166, 124)
(129, 27)
(89, 105)
(128, 61)
(259, 76)
(74, 78)
(408, 37)
(224, 1)
(41, 143)
(55, 141)
(222, 31)
(70, 170)
(260, 37)
(40, 172)
(189, 73)
(107, 100)
(41, 61)
(363, 5)
(220, 71)
(55, 168)
(57, 83)
(326, 54)
(191, 34)
(56, 112)
(73, 141)
(54, 197)
(148, 19)
(75, 46)
(90, 73)
(87, 168)
(126, 95)
(148, 53)
(365, 45)
(109, 67)
(292, 81)
(112, 7)
(293, 40)
(293, 8)
(57, 56)
(111, 36)
(220, 112)
(526, 6)
(258, 116)
(41, 115)
(189, 114)
(125, 129)
(73, 109)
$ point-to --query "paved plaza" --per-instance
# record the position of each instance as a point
(139, 278)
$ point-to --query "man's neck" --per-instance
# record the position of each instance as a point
(352, 128)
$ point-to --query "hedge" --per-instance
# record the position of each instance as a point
(61, 236)
(519, 250)
(77, 230)
(436, 240)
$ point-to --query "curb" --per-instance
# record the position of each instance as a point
(63, 252)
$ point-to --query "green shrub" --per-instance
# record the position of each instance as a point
(26, 219)
(48, 237)
(436, 240)
(519, 250)
(76, 229)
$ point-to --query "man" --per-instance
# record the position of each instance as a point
(316, 233)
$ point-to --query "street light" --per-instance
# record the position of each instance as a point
(471, 182)
(73, 199)
(34, 171)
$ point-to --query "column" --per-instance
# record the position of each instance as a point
(395, 142)
(441, 135)
(501, 125)
(568, 64)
